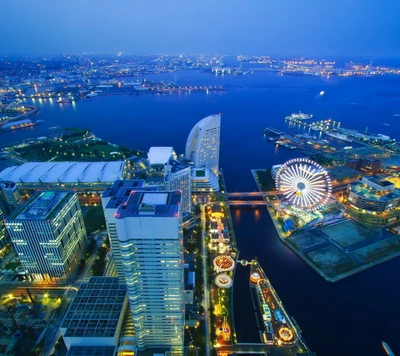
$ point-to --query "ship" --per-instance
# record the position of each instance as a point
(339, 136)
(62, 100)
(298, 117)
(19, 124)
(269, 130)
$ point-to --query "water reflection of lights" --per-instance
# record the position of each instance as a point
(237, 214)
(257, 215)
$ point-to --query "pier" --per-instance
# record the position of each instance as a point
(277, 337)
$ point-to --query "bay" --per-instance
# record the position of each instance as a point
(350, 317)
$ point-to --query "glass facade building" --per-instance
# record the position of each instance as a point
(178, 176)
(48, 234)
(148, 228)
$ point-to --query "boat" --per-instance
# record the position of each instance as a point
(316, 128)
(292, 147)
(62, 100)
(19, 124)
(269, 130)
(298, 117)
(91, 95)
(339, 136)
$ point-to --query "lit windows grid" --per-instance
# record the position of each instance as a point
(154, 276)
(39, 243)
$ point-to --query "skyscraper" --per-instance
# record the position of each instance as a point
(111, 199)
(202, 145)
(178, 176)
(48, 234)
(149, 232)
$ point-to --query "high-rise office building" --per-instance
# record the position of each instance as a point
(48, 234)
(149, 231)
(111, 199)
(178, 176)
(202, 145)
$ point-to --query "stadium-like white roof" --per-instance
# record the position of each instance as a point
(64, 172)
(159, 155)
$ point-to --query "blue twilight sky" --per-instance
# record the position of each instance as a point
(280, 27)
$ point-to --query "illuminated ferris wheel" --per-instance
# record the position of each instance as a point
(304, 183)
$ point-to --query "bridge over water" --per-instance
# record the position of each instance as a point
(248, 199)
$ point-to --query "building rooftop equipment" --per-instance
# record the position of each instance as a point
(97, 310)
(157, 204)
(41, 204)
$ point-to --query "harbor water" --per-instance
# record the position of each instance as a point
(350, 317)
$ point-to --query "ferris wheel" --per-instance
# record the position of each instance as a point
(304, 183)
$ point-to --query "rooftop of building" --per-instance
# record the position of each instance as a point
(159, 155)
(122, 184)
(176, 166)
(378, 181)
(96, 309)
(7, 185)
(91, 351)
(41, 205)
(208, 119)
(150, 203)
(64, 172)
(342, 172)
(372, 194)
(120, 191)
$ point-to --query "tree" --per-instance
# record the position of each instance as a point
(81, 265)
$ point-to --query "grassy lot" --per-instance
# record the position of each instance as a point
(93, 218)
(75, 145)
(265, 180)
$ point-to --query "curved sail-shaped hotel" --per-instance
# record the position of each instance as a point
(202, 145)
(202, 148)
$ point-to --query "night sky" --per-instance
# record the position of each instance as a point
(280, 27)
